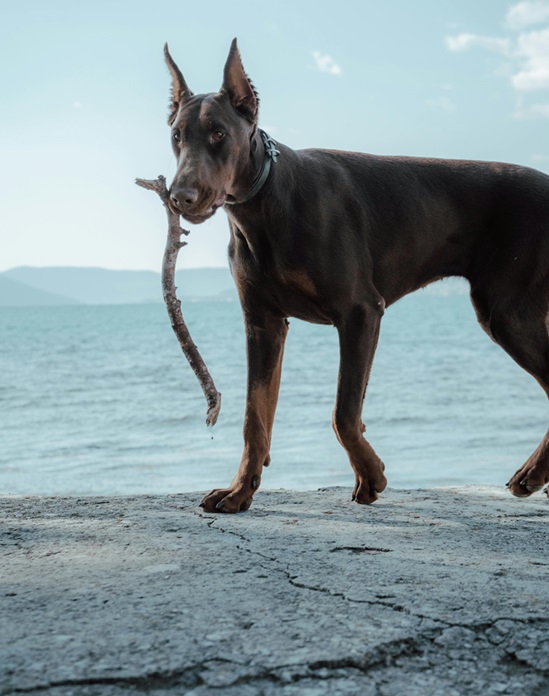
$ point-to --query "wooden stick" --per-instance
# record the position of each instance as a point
(173, 305)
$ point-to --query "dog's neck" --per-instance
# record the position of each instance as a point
(263, 154)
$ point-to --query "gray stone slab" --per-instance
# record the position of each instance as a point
(428, 592)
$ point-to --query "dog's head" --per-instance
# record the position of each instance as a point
(212, 137)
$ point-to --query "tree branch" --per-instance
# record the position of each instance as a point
(173, 305)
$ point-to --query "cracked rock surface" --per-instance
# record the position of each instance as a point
(427, 592)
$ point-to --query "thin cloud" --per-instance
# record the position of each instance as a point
(526, 53)
(462, 42)
(539, 110)
(325, 63)
(533, 49)
(526, 13)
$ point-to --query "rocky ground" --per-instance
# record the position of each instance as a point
(442, 591)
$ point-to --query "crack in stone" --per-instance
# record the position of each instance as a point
(394, 606)
(511, 656)
(188, 677)
(385, 655)
(400, 608)
(361, 549)
(191, 677)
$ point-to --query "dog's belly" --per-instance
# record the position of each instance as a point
(305, 310)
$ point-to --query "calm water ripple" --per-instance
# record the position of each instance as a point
(100, 400)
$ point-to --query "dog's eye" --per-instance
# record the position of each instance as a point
(176, 136)
(217, 135)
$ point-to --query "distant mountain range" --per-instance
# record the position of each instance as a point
(30, 286)
(65, 285)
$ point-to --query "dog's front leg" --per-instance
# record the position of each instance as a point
(358, 334)
(265, 348)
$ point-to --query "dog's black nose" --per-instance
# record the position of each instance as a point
(183, 198)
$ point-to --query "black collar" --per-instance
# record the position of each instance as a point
(271, 154)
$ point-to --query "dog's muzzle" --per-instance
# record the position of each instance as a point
(184, 201)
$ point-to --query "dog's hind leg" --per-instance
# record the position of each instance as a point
(521, 329)
(358, 334)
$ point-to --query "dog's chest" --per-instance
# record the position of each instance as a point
(272, 274)
(297, 281)
(298, 296)
(296, 293)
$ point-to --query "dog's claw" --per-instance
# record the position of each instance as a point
(220, 505)
(202, 505)
(534, 488)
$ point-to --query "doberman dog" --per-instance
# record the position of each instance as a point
(337, 237)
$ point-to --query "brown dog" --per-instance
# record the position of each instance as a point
(336, 237)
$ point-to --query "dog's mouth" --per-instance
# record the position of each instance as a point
(197, 218)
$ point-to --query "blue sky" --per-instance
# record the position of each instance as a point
(85, 91)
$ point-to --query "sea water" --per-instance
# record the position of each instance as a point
(100, 400)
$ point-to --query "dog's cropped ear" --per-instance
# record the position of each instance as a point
(180, 91)
(238, 85)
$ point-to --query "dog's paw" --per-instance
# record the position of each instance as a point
(366, 490)
(227, 500)
(529, 479)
